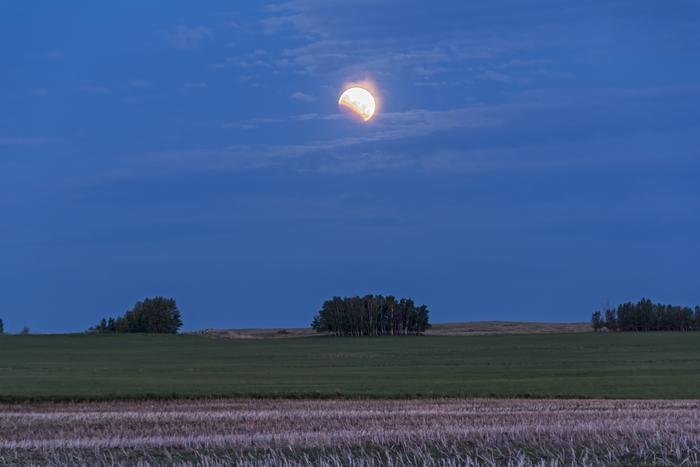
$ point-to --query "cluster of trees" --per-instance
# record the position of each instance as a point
(647, 316)
(24, 332)
(371, 315)
(157, 315)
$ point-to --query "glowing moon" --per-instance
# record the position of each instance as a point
(360, 101)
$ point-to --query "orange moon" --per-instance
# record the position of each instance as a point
(360, 101)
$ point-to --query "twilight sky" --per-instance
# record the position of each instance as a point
(530, 159)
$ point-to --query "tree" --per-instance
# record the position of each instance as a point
(371, 315)
(157, 315)
(597, 321)
(2, 327)
(610, 320)
(646, 315)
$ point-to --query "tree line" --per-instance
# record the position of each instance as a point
(647, 316)
(371, 315)
(23, 332)
(157, 315)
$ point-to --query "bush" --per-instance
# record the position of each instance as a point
(156, 315)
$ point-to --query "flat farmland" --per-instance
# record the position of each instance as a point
(575, 365)
(353, 432)
(440, 329)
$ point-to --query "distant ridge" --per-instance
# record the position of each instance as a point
(506, 327)
(438, 329)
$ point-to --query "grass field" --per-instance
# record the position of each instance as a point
(585, 365)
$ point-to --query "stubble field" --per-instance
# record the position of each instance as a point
(377, 432)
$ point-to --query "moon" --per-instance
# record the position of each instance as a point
(360, 101)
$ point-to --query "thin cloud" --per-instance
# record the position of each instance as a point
(550, 125)
(187, 38)
(260, 121)
(12, 142)
(395, 126)
(139, 83)
(302, 97)
(419, 56)
(197, 85)
(332, 42)
(95, 89)
(256, 59)
(497, 76)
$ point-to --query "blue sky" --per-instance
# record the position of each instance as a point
(530, 160)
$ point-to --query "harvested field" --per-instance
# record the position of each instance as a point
(259, 333)
(448, 431)
(440, 329)
(505, 327)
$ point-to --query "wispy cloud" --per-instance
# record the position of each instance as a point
(139, 83)
(491, 75)
(255, 59)
(261, 121)
(197, 85)
(393, 126)
(334, 41)
(559, 131)
(187, 38)
(12, 142)
(96, 89)
(464, 40)
(419, 56)
(302, 97)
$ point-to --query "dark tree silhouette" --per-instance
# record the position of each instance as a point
(610, 320)
(2, 327)
(646, 315)
(156, 315)
(371, 315)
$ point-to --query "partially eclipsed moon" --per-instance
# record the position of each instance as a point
(360, 101)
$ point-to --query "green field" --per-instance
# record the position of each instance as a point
(652, 365)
